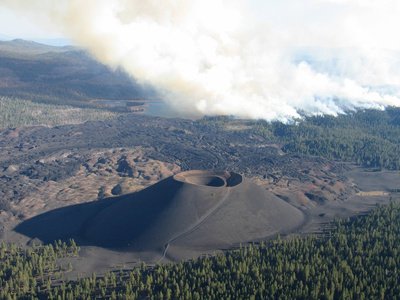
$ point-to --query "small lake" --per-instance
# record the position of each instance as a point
(154, 108)
(160, 109)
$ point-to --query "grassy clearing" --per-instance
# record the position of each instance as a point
(17, 113)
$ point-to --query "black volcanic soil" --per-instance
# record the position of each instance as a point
(186, 211)
(189, 144)
(42, 169)
(45, 168)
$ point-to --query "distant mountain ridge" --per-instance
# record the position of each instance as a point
(20, 47)
(31, 70)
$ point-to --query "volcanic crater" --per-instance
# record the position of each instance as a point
(182, 216)
(209, 178)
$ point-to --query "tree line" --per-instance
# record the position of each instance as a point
(370, 138)
(357, 258)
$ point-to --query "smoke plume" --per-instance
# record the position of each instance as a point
(251, 59)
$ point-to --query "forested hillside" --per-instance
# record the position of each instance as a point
(65, 75)
(356, 259)
(370, 138)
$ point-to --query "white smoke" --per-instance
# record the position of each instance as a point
(220, 57)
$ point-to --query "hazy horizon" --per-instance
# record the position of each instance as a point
(252, 59)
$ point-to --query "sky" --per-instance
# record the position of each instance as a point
(17, 24)
(286, 14)
(305, 15)
(22, 24)
(264, 59)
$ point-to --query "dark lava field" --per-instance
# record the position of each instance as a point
(188, 144)
(43, 169)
